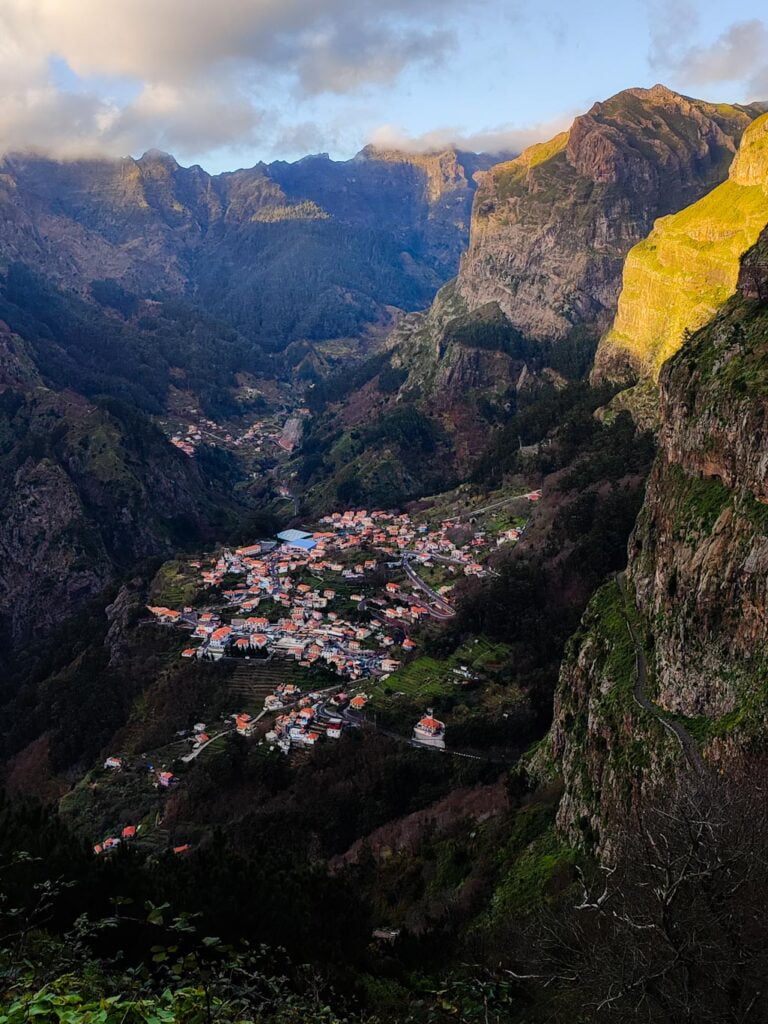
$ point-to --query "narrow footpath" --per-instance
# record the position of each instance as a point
(687, 743)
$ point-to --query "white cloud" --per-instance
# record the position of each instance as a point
(501, 139)
(738, 55)
(197, 68)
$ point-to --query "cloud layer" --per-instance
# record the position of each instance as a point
(504, 139)
(87, 75)
(737, 55)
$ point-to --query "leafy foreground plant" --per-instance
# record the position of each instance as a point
(188, 979)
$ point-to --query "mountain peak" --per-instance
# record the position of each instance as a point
(750, 167)
(158, 156)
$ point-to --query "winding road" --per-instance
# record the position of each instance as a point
(443, 609)
(687, 743)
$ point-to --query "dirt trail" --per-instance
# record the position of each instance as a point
(687, 743)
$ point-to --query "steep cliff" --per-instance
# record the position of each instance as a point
(88, 488)
(696, 595)
(539, 282)
(314, 249)
(550, 230)
(676, 279)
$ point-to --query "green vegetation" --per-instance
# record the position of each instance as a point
(535, 877)
(704, 243)
(698, 502)
(509, 179)
(304, 210)
(175, 585)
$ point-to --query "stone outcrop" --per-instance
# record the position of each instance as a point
(697, 581)
(676, 279)
(550, 230)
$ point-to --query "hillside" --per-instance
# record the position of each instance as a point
(90, 488)
(676, 279)
(695, 588)
(312, 250)
(537, 286)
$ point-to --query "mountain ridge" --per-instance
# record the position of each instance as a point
(679, 276)
(311, 250)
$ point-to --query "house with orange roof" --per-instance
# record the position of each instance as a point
(165, 614)
(220, 638)
(244, 724)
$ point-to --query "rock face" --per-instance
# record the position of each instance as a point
(549, 234)
(677, 278)
(697, 582)
(84, 496)
(314, 249)
(550, 229)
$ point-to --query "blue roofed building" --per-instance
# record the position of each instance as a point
(305, 543)
(293, 535)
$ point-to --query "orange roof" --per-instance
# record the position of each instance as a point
(430, 723)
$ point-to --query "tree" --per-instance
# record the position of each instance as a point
(672, 928)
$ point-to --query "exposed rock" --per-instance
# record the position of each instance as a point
(550, 230)
(698, 575)
(676, 279)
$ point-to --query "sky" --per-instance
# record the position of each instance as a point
(226, 83)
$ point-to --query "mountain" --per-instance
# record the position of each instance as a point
(678, 277)
(695, 592)
(538, 284)
(550, 230)
(312, 250)
(90, 488)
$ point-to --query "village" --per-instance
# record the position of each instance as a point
(323, 598)
(279, 602)
(346, 599)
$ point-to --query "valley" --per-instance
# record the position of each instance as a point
(383, 553)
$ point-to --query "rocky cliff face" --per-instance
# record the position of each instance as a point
(312, 250)
(696, 584)
(549, 234)
(676, 279)
(85, 495)
(550, 230)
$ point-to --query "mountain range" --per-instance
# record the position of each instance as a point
(567, 346)
(312, 250)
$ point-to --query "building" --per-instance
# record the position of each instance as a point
(429, 731)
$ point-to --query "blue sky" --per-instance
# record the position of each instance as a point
(225, 84)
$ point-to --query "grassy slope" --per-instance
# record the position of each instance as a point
(677, 278)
